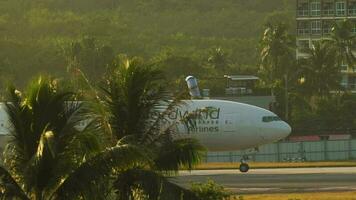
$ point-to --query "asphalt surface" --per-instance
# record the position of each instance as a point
(258, 181)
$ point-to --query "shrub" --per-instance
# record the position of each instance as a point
(210, 191)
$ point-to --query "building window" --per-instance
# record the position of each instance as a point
(316, 27)
(315, 8)
(328, 9)
(303, 45)
(340, 8)
(303, 28)
(352, 8)
(303, 9)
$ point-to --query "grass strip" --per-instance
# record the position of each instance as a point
(301, 196)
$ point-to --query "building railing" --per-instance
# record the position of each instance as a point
(316, 31)
(328, 13)
(303, 13)
(315, 13)
(303, 31)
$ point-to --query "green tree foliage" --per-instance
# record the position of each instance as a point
(218, 59)
(33, 32)
(325, 115)
(277, 65)
(89, 57)
(210, 191)
(277, 52)
(46, 144)
(50, 156)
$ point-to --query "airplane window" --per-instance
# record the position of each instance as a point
(271, 118)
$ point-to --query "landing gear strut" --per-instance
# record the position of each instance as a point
(244, 166)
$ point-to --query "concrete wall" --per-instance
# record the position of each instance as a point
(327, 150)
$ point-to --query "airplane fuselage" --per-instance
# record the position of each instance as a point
(220, 125)
(229, 126)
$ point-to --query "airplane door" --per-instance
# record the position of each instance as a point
(229, 123)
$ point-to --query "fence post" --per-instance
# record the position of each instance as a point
(302, 153)
(349, 149)
(326, 150)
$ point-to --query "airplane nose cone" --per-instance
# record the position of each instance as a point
(287, 130)
(282, 130)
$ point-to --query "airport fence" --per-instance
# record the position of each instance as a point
(325, 150)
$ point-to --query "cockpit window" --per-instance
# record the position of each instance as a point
(271, 118)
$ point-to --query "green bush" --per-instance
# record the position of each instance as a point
(210, 191)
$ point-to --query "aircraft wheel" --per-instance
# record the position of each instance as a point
(244, 167)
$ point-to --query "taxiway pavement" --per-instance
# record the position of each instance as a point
(285, 180)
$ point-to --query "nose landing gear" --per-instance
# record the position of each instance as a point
(244, 166)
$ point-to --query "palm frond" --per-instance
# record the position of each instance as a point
(101, 167)
(9, 189)
(179, 153)
(46, 141)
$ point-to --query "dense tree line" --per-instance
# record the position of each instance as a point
(35, 36)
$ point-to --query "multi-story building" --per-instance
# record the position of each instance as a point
(315, 19)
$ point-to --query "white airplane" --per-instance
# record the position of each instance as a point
(229, 126)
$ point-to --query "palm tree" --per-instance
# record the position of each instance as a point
(276, 53)
(218, 59)
(277, 60)
(50, 156)
(320, 69)
(342, 39)
(138, 104)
